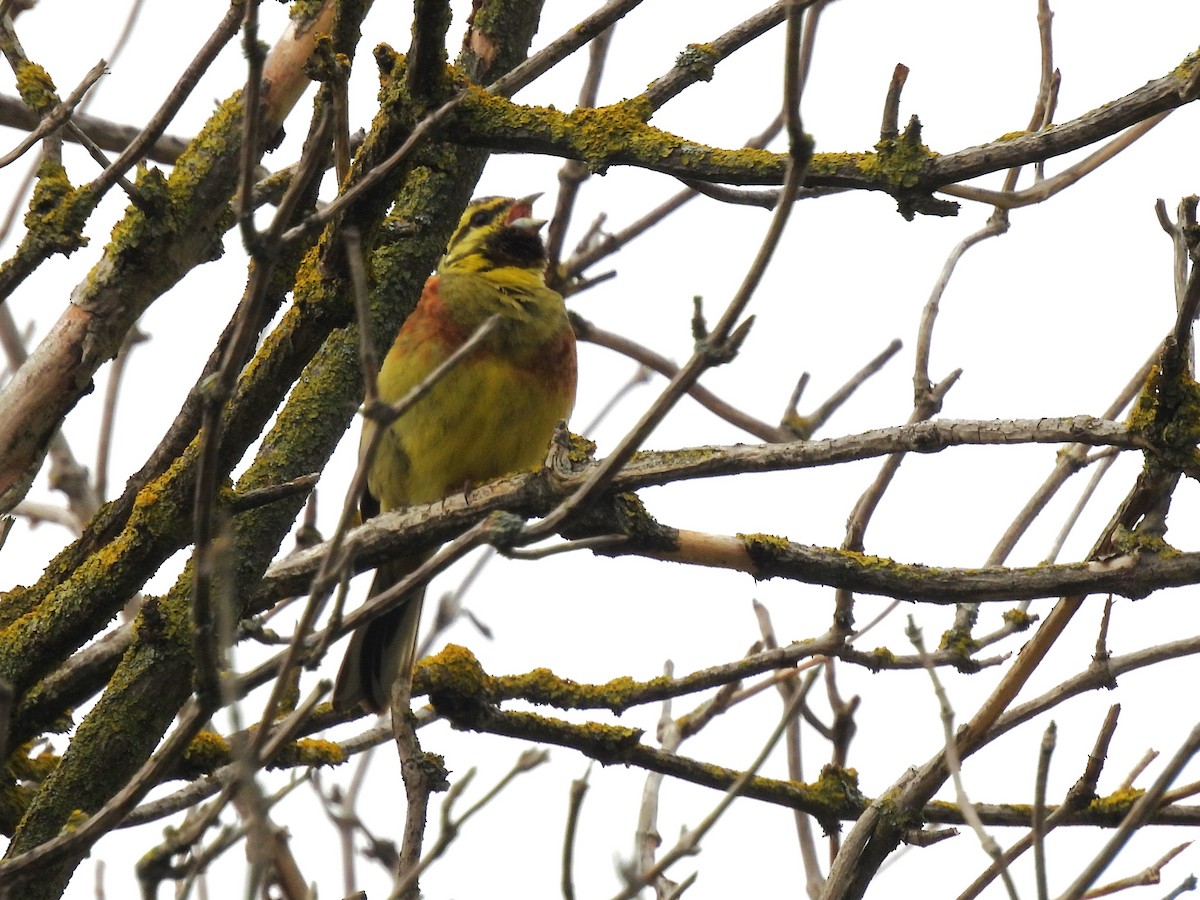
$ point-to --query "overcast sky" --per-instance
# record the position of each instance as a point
(1051, 319)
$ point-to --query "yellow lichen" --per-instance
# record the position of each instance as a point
(304, 11)
(958, 642)
(902, 161)
(36, 87)
(837, 787)
(768, 541)
(1132, 541)
(1184, 70)
(699, 59)
(1018, 619)
(868, 561)
(542, 686)
(881, 657)
(1117, 803)
(609, 134)
(836, 795)
(74, 820)
(308, 752)
(207, 752)
(581, 451)
(57, 213)
(1167, 413)
(454, 670)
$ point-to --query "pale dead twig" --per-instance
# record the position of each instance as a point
(451, 826)
(573, 173)
(954, 766)
(579, 787)
(1081, 793)
(1139, 767)
(1152, 874)
(788, 686)
(690, 840)
(1038, 831)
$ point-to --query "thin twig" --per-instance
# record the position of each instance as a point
(691, 838)
(954, 765)
(725, 337)
(1048, 187)
(249, 150)
(218, 390)
(586, 331)
(112, 388)
(822, 413)
(368, 357)
(579, 788)
(450, 826)
(814, 878)
(162, 117)
(1039, 810)
(1152, 874)
(57, 117)
(573, 173)
(1080, 794)
(1139, 767)
(559, 49)
(422, 776)
(889, 130)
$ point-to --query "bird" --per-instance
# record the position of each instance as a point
(491, 415)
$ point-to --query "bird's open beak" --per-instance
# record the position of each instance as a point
(520, 214)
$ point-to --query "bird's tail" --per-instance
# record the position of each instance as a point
(383, 650)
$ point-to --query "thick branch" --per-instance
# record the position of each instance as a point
(536, 495)
(834, 798)
(619, 135)
(152, 252)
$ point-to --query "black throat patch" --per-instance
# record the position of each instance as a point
(519, 247)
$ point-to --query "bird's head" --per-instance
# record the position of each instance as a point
(496, 233)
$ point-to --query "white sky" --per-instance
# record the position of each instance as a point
(1051, 319)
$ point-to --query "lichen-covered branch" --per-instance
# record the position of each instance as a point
(620, 134)
(176, 226)
(536, 495)
(306, 431)
(456, 686)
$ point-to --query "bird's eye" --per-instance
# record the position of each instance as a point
(480, 218)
